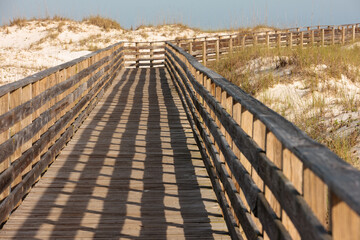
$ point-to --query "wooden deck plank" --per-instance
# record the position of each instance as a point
(132, 170)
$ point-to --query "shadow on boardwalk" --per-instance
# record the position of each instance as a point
(132, 171)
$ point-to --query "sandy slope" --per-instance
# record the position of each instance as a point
(42, 44)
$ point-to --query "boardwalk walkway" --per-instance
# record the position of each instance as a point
(133, 170)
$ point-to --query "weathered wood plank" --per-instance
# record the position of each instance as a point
(163, 194)
(273, 178)
(316, 157)
(239, 172)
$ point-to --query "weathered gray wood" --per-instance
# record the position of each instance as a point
(229, 219)
(303, 218)
(17, 114)
(9, 203)
(9, 147)
(240, 210)
(336, 173)
(179, 187)
(239, 172)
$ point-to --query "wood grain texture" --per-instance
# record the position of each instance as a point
(334, 172)
(132, 170)
(242, 177)
(295, 206)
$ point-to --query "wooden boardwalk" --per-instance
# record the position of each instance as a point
(133, 170)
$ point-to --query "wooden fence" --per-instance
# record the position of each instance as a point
(271, 179)
(152, 54)
(145, 54)
(40, 113)
(212, 48)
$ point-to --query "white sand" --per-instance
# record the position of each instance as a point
(43, 44)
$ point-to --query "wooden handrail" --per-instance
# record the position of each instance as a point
(290, 173)
(40, 113)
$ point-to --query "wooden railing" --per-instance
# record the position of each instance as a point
(152, 54)
(39, 114)
(271, 179)
(213, 48)
(144, 54)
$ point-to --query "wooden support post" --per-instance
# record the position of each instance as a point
(204, 52)
(255, 39)
(290, 39)
(191, 48)
(343, 30)
(333, 36)
(345, 223)
(316, 195)
(293, 169)
(230, 45)
(301, 39)
(312, 37)
(322, 37)
(267, 40)
(218, 48)
(4, 136)
(151, 54)
(353, 32)
(243, 41)
(137, 55)
(278, 37)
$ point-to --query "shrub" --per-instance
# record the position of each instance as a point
(105, 23)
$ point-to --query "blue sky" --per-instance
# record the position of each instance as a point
(206, 14)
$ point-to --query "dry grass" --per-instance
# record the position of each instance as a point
(105, 23)
(20, 22)
(339, 60)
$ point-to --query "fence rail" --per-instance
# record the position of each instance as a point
(271, 179)
(40, 113)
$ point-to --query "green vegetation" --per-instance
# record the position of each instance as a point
(313, 66)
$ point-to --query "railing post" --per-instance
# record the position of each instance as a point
(278, 40)
(343, 35)
(322, 37)
(312, 38)
(267, 40)
(301, 39)
(230, 44)
(191, 48)
(4, 136)
(243, 41)
(353, 32)
(290, 39)
(255, 39)
(137, 55)
(204, 52)
(333, 36)
(151, 54)
(218, 48)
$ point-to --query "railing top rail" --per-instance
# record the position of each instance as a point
(40, 75)
(341, 177)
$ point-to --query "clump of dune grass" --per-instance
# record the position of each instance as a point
(338, 61)
(20, 22)
(105, 23)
